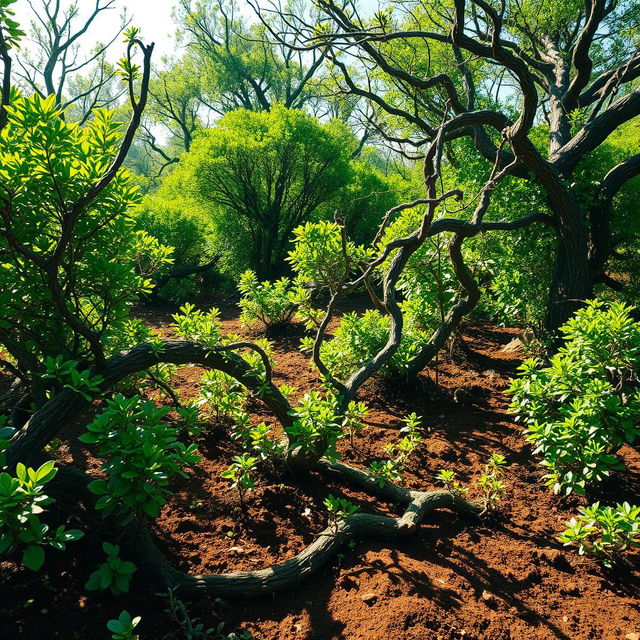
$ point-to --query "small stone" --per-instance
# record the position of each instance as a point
(557, 559)
(565, 619)
(488, 597)
(514, 346)
(632, 636)
(369, 597)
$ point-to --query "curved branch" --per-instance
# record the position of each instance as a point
(596, 132)
(61, 410)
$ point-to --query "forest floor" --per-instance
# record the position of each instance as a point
(500, 578)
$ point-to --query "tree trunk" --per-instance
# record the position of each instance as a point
(571, 285)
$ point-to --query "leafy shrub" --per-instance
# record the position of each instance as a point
(115, 574)
(604, 533)
(22, 499)
(188, 233)
(47, 165)
(316, 427)
(224, 394)
(427, 283)
(581, 408)
(194, 324)
(267, 303)
(66, 375)
(358, 338)
(142, 454)
(122, 628)
(318, 255)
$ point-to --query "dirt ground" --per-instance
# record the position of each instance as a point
(496, 579)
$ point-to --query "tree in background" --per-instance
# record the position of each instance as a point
(491, 74)
(256, 176)
(55, 64)
(226, 65)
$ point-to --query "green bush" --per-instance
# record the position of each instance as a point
(359, 337)
(47, 165)
(183, 228)
(22, 502)
(270, 304)
(142, 454)
(582, 407)
(254, 177)
(604, 533)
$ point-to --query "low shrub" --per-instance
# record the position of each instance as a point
(604, 533)
(269, 304)
(22, 502)
(582, 407)
(142, 454)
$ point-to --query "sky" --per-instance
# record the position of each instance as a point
(152, 16)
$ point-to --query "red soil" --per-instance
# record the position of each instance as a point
(496, 579)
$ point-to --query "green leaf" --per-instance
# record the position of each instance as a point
(33, 557)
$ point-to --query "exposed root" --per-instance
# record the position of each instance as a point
(243, 584)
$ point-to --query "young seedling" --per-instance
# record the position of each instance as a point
(386, 471)
(391, 470)
(604, 533)
(353, 419)
(190, 419)
(491, 482)
(339, 509)
(122, 627)
(447, 478)
(240, 474)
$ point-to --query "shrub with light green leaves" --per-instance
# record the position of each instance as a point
(316, 426)
(359, 337)
(322, 257)
(142, 454)
(22, 502)
(266, 303)
(582, 407)
(47, 166)
(604, 533)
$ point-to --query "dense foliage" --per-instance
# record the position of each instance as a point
(585, 404)
(47, 166)
(406, 181)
